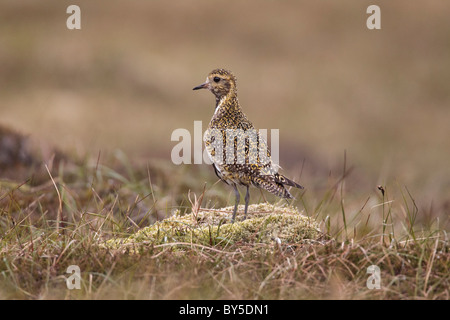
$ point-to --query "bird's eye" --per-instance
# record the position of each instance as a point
(216, 79)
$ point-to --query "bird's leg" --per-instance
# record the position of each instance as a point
(238, 198)
(247, 198)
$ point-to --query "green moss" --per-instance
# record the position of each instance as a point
(264, 224)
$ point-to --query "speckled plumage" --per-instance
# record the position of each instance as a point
(248, 159)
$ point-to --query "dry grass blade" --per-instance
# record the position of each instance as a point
(196, 204)
(60, 207)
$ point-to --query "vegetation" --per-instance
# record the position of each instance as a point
(102, 220)
(266, 224)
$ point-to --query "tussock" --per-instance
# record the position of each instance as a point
(265, 224)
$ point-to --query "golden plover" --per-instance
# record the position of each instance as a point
(239, 154)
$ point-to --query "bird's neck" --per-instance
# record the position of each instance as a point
(227, 107)
(228, 100)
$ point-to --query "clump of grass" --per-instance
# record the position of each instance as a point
(266, 224)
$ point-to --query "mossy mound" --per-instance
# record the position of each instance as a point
(264, 224)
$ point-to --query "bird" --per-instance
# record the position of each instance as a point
(239, 154)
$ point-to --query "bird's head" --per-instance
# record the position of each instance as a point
(220, 82)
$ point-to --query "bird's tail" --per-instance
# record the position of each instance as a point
(286, 181)
(275, 184)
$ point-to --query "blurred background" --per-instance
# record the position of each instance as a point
(309, 68)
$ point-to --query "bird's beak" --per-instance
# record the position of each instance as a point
(202, 86)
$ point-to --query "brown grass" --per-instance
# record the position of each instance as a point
(99, 204)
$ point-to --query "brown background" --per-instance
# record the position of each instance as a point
(309, 68)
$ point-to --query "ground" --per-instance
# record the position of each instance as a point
(106, 220)
(266, 224)
(86, 123)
